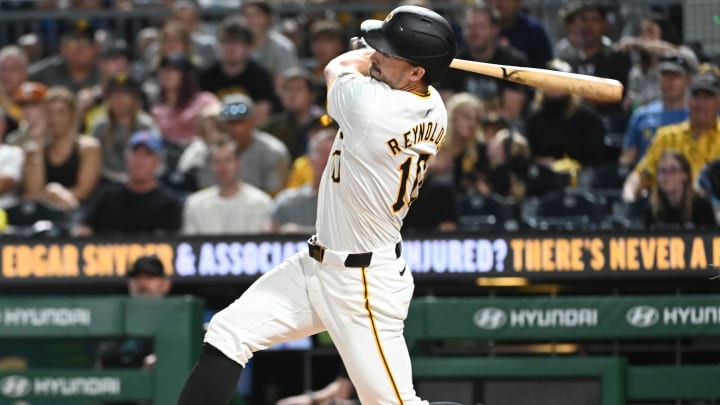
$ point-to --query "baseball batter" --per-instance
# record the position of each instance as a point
(352, 281)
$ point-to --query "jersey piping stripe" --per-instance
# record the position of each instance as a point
(377, 337)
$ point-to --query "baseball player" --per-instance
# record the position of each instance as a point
(352, 281)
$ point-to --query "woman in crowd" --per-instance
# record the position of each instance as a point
(64, 171)
(463, 156)
(509, 157)
(674, 203)
(123, 117)
(194, 164)
(180, 103)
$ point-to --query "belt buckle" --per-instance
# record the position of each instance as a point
(317, 252)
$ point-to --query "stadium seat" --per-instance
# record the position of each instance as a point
(629, 215)
(605, 180)
(487, 213)
(542, 180)
(565, 210)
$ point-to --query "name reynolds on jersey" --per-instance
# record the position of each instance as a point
(428, 131)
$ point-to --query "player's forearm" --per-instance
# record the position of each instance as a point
(357, 61)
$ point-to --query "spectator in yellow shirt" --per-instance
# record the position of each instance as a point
(301, 172)
(698, 138)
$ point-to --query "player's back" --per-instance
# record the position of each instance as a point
(378, 161)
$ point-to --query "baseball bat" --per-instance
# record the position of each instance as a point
(590, 87)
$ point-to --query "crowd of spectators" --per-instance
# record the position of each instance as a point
(183, 129)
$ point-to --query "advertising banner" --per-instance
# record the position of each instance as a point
(569, 318)
(66, 385)
(36, 316)
(544, 257)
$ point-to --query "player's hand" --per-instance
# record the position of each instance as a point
(357, 43)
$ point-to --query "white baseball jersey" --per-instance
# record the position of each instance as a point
(378, 162)
(379, 159)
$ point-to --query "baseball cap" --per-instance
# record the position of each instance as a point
(706, 81)
(147, 265)
(80, 29)
(115, 47)
(236, 107)
(148, 139)
(29, 92)
(674, 62)
(235, 28)
(122, 82)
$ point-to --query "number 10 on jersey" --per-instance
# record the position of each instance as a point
(417, 165)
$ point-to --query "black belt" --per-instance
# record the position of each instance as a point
(317, 252)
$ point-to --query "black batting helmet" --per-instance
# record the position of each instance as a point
(415, 34)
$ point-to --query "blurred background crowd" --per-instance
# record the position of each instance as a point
(201, 117)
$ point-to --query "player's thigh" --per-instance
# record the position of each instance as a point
(273, 310)
(365, 322)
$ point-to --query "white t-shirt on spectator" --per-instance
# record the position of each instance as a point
(207, 213)
(11, 165)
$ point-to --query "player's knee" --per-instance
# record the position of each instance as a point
(223, 338)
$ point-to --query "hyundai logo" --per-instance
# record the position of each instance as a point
(490, 318)
(642, 316)
(15, 386)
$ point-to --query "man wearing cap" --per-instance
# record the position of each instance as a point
(139, 206)
(596, 58)
(352, 280)
(146, 278)
(264, 160)
(114, 59)
(675, 72)
(75, 68)
(697, 138)
(236, 72)
(481, 28)
(29, 96)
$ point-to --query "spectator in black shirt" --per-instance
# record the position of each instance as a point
(236, 72)
(76, 66)
(596, 58)
(560, 127)
(434, 208)
(523, 32)
(481, 29)
(141, 205)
